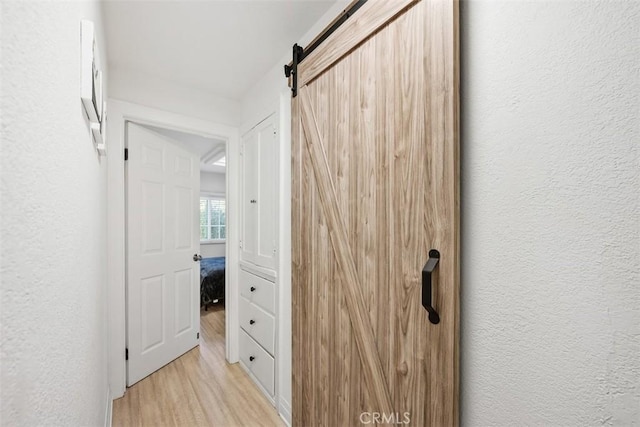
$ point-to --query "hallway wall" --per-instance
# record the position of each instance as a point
(550, 213)
(142, 89)
(53, 228)
(213, 183)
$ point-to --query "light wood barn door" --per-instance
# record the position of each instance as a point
(375, 188)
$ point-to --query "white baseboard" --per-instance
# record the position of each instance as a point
(108, 410)
(284, 410)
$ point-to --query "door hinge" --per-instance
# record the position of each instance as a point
(126, 354)
(198, 335)
(126, 154)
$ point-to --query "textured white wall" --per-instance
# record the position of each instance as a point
(165, 95)
(213, 183)
(53, 229)
(550, 213)
(213, 250)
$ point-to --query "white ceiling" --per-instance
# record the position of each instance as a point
(209, 149)
(223, 47)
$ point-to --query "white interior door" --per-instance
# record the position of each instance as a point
(163, 193)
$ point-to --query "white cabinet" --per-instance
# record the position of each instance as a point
(259, 234)
(258, 329)
(257, 361)
(258, 290)
(259, 255)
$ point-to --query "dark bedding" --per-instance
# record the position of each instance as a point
(211, 280)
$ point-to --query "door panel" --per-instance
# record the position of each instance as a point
(375, 187)
(267, 197)
(162, 237)
(153, 212)
(151, 312)
(184, 217)
(250, 184)
(183, 301)
(260, 183)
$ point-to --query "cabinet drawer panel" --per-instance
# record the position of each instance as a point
(258, 324)
(263, 293)
(259, 362)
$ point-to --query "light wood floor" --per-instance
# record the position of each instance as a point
(198, 389)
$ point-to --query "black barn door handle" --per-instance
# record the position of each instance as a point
(432, 263)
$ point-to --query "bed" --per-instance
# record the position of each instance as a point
(211, 281)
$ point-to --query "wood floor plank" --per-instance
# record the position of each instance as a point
(198, 389)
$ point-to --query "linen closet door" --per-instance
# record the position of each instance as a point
(375, 189)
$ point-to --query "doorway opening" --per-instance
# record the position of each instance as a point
(183, 289)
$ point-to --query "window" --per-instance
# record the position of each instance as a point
(213, 219)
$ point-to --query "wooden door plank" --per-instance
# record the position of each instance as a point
(298, 326)
(322, 291)
(441, 63)
(343, 372)
(349, 103)
(363, 332)
(367, 20)
(410, 149)
(386, 240)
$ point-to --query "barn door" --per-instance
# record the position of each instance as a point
(375, 202)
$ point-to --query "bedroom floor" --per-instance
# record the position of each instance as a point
(197, 389)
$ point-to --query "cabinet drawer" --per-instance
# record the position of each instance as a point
(259, 362)
(258, 290)
(258, 323)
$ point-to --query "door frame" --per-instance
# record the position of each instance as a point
(121, 112)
